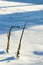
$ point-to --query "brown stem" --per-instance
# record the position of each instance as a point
(18, 50)
(9, 34)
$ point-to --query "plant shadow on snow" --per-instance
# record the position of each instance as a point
(38, 53)
(33, 18)
(8, 59)
(2, 52)
(28, 1)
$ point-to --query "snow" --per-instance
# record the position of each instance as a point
(15, 7)
(31, 52)
(32, 42)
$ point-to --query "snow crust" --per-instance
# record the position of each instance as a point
(16, 7)
(31, 52)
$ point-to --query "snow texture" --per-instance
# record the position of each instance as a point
(17, 13)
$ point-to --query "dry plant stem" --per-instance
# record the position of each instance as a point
(18, 51)
(9, 34)
(8, 42)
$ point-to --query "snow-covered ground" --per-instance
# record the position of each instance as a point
(17, 13)
(15, 7)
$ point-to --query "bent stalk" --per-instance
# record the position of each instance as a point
(9, 34)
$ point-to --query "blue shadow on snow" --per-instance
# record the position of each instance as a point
(28, 1)
(33, 18)
(8, 59)
(38, 52)
(2, 52)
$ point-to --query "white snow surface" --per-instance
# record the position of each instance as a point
(31, 52)
(14, 7)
